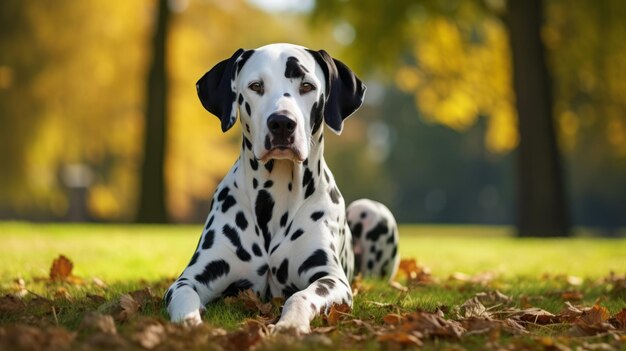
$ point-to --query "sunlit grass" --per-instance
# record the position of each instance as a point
(133, 252)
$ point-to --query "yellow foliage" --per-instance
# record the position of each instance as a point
(456, 81)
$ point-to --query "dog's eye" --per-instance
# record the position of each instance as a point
(256, 87)
(306, 87)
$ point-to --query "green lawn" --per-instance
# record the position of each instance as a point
(533, 272)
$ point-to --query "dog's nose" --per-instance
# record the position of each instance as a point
(281, 125)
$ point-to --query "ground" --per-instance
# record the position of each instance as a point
(460, 287)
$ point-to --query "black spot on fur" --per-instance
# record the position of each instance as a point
(283, 272)
(286, 95)
(290, 290)
(212, 271)
(391, 239)
(380, 229)
(274, 248)
(294, 69)
(262, 270)
(240, 99)
(233, 236)
(357, 230)
(242, 60)
(383, 269)
(307, 178)
(269, 165)
(317, 115)
(248, 110)
(255, 183)
(168, 297)
(283, 219)
(241, 220)
(297, 234)
(209, 237)
(223, 193)
(334, 195)
(254, 164)
(358, 258)
(234, 288)
(209, 222)
(317, 215)
(256, 250)
(313, 307)
(228, 203)
(317, 276)
(317, 258)
(247, 143)
(263, 208)
(327, 282)
(394, 252)
(321, 291)
(268, 184)
(289, 186)
(363, 215)
(194, 259)
(370, 264)
(379, 254)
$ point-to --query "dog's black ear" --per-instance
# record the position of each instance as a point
(344, 90)
(216, 89)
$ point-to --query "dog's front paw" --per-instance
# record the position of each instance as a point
(291, 328)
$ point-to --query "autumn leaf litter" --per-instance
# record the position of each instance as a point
(135, 319)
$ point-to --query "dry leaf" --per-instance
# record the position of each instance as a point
(392, 318)
(61, 268)
(402, 338)
(337, 312)
(413, 272)
(536, 315)
(151, 336)
(250, 335)
(472, 308)
(619, 320)
(10, 304)
(96, 322)
(128, 307)
(432, 325)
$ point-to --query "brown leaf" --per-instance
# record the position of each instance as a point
(392, 318)
(591, 322)
(432, 325)
(492, 298)
(619, 320)
(22, 337)
(150, 336)
(402, 338)
(536, 315)
(61, 268)
(337, 312)
(10, 304)
(413, 272)
(597, 314)
(572, 295)
(252, 303)
(96, 322)
(128, 307)
(247, 337)
(472, 308)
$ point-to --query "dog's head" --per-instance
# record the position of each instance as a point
(282, 92)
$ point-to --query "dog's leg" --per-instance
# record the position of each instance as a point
(304, 305)
(375, 239)
(185, 306)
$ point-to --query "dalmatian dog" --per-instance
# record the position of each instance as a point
(278, 223)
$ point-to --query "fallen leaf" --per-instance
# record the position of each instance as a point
(23, 337)
(392, 318)
(592, 322)
(337, 312)
(128, 307)
(492, 298)
(572, 295)
(402, 338)
(619, 320)
(432, 325)
(250, 301)
(61, 268)
(10, 304)
(96, 322)
(413, 272)
(536, 315)
(150, 336)
(471, 308)
(247, 337)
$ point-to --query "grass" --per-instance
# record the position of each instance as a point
(130, 257)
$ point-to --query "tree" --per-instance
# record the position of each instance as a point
(542, 210)
(152, 199)
(455, 59)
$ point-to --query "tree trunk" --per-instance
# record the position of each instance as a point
(541, 197)
(152, 196)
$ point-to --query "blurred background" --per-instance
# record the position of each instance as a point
(477, 111)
